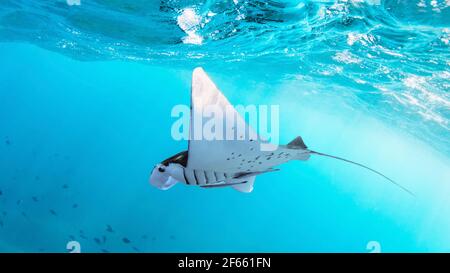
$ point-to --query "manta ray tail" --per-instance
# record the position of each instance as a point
(365, 167)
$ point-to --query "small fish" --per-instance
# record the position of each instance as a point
(65, 186)
(172, 237)
(24, 214)
(97, 240)
(104, 250)
(104, 239)
(35, 199)
(109, 229)
(75, 206)
(37, 178)
(8, 142)
(1, 223)
(83, 237)
(53, 212)
(136, 249)
(71, 237)
(1, 193)
(126, 240)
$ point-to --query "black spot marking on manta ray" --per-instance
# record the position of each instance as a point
(126, 240)
(232, 153)
(109, 229)
(53, 212)
(269, 158)
(228, 158)
(35, 199)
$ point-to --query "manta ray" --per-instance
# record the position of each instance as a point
(228, 163)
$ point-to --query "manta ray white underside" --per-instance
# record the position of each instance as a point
(234, 158)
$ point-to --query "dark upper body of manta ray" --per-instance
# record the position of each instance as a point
(222, 163)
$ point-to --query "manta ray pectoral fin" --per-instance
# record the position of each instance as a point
(222, 155)
(242, 185)
(246, 187)
(222, 184)
(365, 167)
(251, 174)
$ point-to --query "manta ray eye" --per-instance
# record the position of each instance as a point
(161, 169)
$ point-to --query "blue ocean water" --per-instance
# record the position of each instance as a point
(86, 93)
